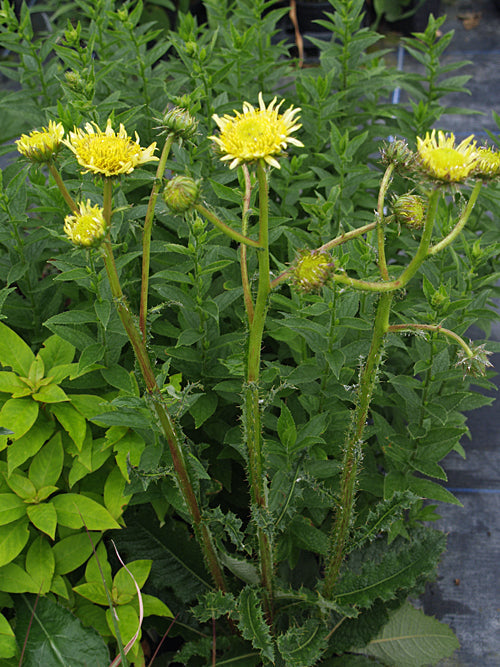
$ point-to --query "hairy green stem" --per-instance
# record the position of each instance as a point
(461, 222)
(62, 188)
(146, 235)
(353, 449)
(232, 233)
(201, 530)
(437, 328)
(252, 410)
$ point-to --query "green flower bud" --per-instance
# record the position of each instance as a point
(476, 363)
(179, 122)
(181, 193)
(410, 210)
(312, 270)
(398, 153)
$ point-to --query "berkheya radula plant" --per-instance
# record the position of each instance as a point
(297, 578)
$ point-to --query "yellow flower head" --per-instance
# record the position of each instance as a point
(256, 133)
(42, 145)
(312, 270)
(488, 163)
(108, 153)
(444, 161)
(87, 227)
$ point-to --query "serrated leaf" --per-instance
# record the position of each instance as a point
(56, 637)
(252, 624)
(379, 570)
(303, 646)
(287, 430)
(412, 639)
(214, 604)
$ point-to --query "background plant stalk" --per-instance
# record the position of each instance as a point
(201, 530)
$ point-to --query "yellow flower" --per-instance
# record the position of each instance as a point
(488, 163)
(444, 161)
(256, 133)
(108, 153)
(87, 227)
(42, 145)
(312, 270)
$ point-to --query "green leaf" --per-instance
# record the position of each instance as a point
(14, 352)
(119, 377)
(412, 639)
(22, 486)
(154, 607)
(13, 579)
(47, 465)
(50, 393)
(75, 511)
(90, 356)
(11, 508)
(40, 564)
(308, 537)
(115, 499)
(73, 551)
(8, 646)
(93, 591)
(56, 637)
(203, 408)
(303, 646)
(44, 517)
(56, 352)
(24, 448)
(252, 624)
(13, 538)
(128, 623)
(10, 383)
(123, 583)
(286, 428)
(72, 422)
(19, 415)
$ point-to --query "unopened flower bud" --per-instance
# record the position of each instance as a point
(410, 210)
(474, 364)
(398, 153)
(440, 299)
(179, 122)
(86, 228)
(312, 270)
(181, 193)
